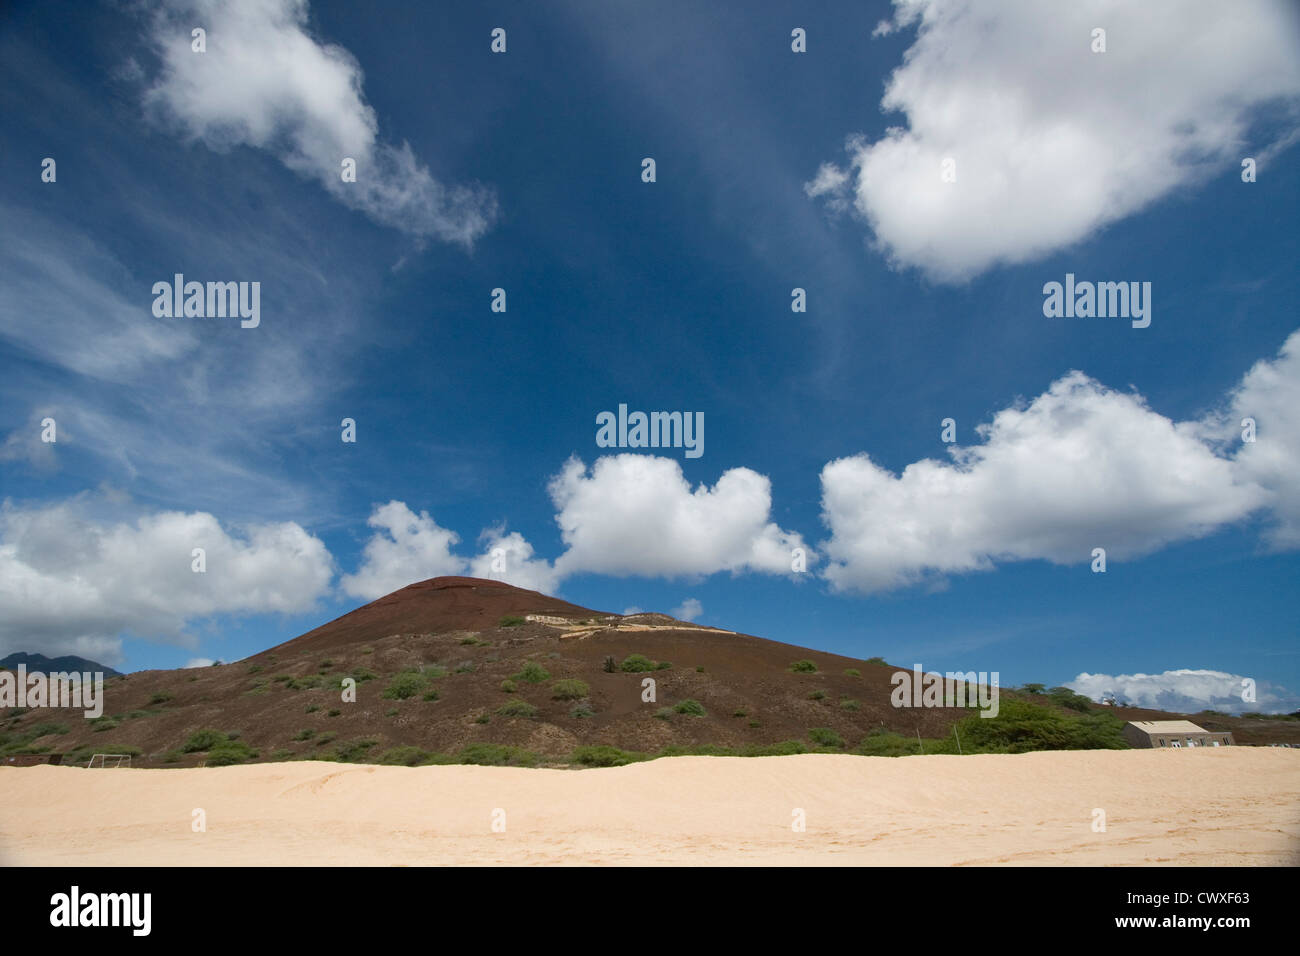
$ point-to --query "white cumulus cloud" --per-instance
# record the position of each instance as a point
(637, 515)
(1185, 691)
(509, 558)
(71, 582)
(1052, 142)
(405, 548)
(1269, 394)
(266, 82)
(689, 610)
(1079, 467)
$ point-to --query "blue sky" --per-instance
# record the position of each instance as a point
(775, 170)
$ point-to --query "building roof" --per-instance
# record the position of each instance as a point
(1169, 727)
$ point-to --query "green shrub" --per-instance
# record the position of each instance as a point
(325, 738)
(517, 708)
(103, 723)
(532, 672)
(877, 660)
(402, 756)
(636, 664)
(281, 754)
(825, 737)
(496, 755)
(312, 708)
(885, 743)
(569, 690)
(305, 734)
(804, 666)
(229, 752)
(1064, 697)
(510, 620)
(848, 703)
(852, 672)
(605, 756)
(699, 670)
(353, 751)
(663, 665)
(306, 682)
(739, 712)
(817, 695)
(333, 713)
(581, 711)
(160, 698)
(689, 707)
(430, 695)
(48, 728)
(1021, 727)
(465, 667)
(785, 748)
(509, 686)
(202, 740)
(405, 684)
(433, 671)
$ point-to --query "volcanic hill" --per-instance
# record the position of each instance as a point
(468, 666)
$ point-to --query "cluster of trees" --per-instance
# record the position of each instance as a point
(1021, 727)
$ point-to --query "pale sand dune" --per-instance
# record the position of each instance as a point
(1228, 806)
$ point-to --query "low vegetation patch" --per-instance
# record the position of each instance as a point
(605, 756)
(825, 737)
(202, 740)
(569, 690)
(636, 664)
(804, 666)
(405, 684)
(517, 708)
(532, 672)
(229, 752)
(496, 755)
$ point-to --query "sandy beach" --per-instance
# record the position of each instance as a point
(1210, 807)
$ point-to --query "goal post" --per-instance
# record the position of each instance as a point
(102, 760)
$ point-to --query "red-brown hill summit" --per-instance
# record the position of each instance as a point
(433, 606)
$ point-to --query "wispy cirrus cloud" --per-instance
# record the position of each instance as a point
(266, 82)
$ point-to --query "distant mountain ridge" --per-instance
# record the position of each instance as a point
(49, 665)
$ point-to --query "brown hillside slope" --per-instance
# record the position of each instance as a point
(285, 702)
